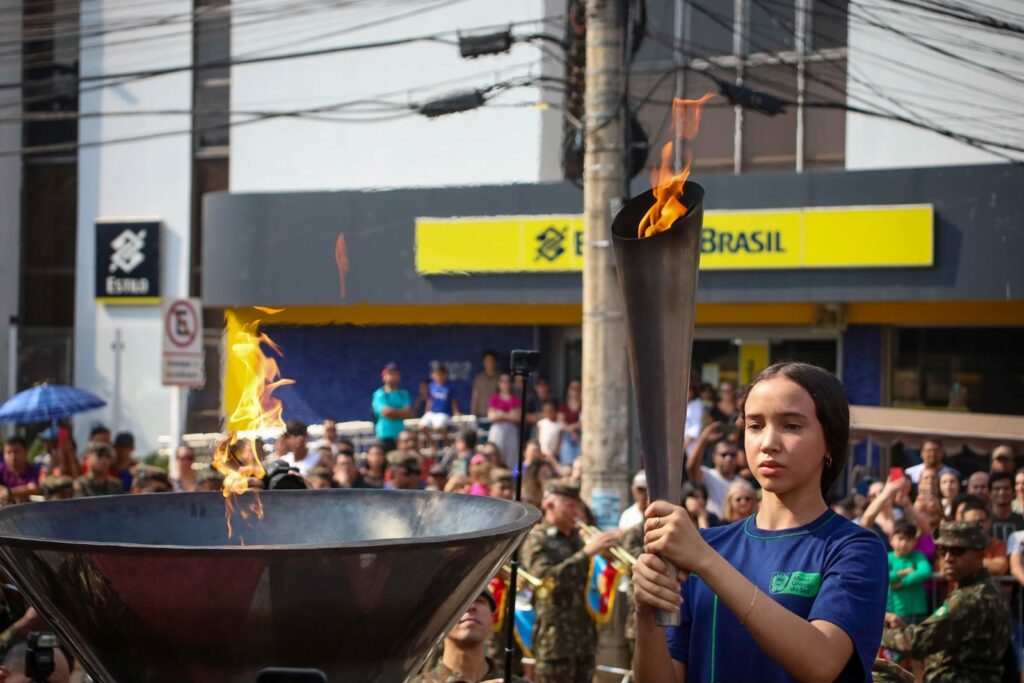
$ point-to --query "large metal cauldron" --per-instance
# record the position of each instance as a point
(357, 584)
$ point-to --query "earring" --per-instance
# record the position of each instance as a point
(828, 461)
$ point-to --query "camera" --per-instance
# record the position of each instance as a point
(40, 660)
(282, 476)
(524, 362)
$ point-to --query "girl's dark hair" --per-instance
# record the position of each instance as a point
(692, 487)
(904, 527)
(830, 405)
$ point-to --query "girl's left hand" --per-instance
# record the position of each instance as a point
(669, 532)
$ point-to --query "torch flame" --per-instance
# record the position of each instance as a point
(667, 185)
(236, 458)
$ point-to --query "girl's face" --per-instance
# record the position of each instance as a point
(784, 442)
(1018, 485)
(505, 384)
(743, 502)
(949, 485)
(928, 482)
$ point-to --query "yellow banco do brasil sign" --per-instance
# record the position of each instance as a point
(830, 237)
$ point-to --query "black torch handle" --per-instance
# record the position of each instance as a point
(513, 575)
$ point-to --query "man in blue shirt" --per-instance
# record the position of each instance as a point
(391, 406)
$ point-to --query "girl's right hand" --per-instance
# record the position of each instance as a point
(653, 589)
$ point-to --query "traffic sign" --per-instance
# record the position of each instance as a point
(183, 357)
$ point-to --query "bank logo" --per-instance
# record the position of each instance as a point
(550, 243)
(804, 584)
(127, 254)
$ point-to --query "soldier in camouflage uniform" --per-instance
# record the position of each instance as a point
(564, 637)
(632, 543)
(463, 659)
(97, 480)
(965, 638)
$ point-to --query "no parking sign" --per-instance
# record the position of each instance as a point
(183, 357)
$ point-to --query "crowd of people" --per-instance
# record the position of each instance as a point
(909, 511)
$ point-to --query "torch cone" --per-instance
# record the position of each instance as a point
(658, 280)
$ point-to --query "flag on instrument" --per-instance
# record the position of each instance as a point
(499, 589)
(601, 584)
(525, 617)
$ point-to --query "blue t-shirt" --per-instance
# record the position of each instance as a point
(440, 398)
(387, 427)
(830, 569)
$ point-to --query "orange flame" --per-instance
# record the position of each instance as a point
(667, 185)
(236, 458)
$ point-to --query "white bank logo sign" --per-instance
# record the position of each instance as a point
(127, 260)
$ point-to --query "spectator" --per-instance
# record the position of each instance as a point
(437, 478)
(535, 400)
(493, 454)
(479, 476)
(889, 504)
(408, 442)
(319, 478)
(908, 570)
(537, 474)
(695, 500)
(405, 471)
(932, 456)
(375, 470)
(345, 473)
(149, 479)
(740, 501)
(634, 514)
(65, 457)
(716, 479)
(97, 480)
(299, 456)
(186, 480)
(928, 483)
(549, 431)
(209, 480)
(331, 433)
(99, 434)
(531, 452)
(58, 487)
(978, 485)
(16, 473)
(1003, 459)
(485, 385)
(694, 418)
(465, 447)
(847, 506)
(502, 484)
(964, 639)
(1018, 490)
(5, 496)
(569, 415)
(949, 489)
(442, 405)
(1004, 520)
(457, 483)
(13, 668)
(725, 409)
(391, 406)
(124, 446)
(503, 413)
(421, 404)
(996, 560)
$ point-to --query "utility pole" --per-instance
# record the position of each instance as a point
(605, 375)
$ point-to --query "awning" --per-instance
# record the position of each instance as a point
(978, 431)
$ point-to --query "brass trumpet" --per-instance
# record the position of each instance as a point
(541, 587)
(618, 552)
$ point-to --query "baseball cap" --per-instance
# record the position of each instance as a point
(961, 535)
(390, 367)
(562, 487)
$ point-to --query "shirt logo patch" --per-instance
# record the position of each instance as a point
(803, 584)
(941, 611)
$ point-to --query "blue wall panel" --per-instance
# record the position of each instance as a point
(862, 364)
(336, 368)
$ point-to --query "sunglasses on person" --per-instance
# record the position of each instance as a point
(954, 552)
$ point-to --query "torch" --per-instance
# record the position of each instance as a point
(658, 280)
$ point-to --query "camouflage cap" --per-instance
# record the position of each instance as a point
(408, 461)
(500, 475)
(961, 535)
(54, 485)
(319, 472)
(149, 473)
(563, 487)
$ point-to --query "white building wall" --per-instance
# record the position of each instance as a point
(151, 178)
(507, 141)
(890, 71)
(10, 200)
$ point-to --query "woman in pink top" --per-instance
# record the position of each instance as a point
(503, 411)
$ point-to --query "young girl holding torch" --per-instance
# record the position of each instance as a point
(792, 593)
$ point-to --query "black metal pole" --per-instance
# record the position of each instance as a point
(510, 594)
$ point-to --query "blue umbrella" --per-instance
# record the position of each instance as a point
(48, 402)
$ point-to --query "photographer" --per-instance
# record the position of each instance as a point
(22, 661)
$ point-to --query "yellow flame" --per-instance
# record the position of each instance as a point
(667, 185)
(257, 376)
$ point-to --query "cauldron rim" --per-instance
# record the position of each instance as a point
(356, 547)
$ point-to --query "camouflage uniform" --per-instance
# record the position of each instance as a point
(439, 673)
(633, 543)
(88, 485)
(890, 672)
(564, 636)
(965, 638)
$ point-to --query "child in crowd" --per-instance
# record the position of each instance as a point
(479, 476)
(441, 405)
(549, 430)
(908, 570)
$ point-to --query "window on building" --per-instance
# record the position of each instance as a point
(968, 369)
